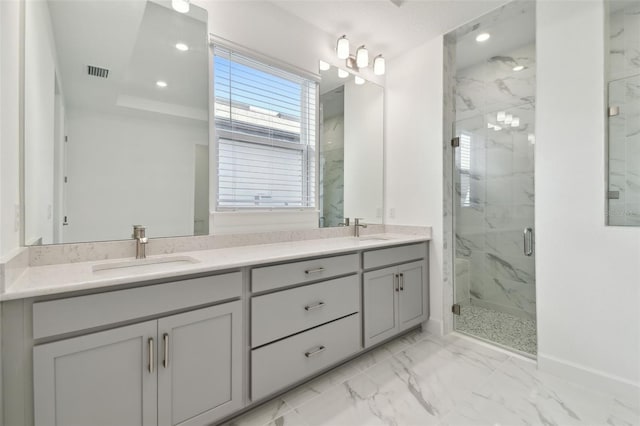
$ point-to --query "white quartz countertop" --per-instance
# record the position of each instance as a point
(68, 277)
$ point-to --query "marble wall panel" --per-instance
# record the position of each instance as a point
(624, 128)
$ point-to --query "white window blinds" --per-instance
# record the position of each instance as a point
(265, 122)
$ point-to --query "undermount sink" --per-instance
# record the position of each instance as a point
(138, 266)
(374, 238)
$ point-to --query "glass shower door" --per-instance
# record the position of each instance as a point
(493, 204)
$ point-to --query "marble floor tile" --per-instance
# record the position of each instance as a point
(421, 380)
(365, 401)
(437, 372)
(271, 412)
(518, 394)
(315, 387)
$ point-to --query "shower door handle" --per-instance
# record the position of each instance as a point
(528, 241)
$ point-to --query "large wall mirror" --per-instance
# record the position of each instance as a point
(624, 113)
(351, 149)
(116, 120)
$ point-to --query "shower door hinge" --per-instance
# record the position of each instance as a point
(613, 111)
(455, 309)
(455, 142)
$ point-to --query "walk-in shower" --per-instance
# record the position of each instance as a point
(493, 177)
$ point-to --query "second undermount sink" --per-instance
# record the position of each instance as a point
(140, 266)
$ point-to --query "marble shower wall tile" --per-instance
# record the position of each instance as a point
(624, 129)
(449, 53)
(624, 150)
(332, 177)
(490, 218)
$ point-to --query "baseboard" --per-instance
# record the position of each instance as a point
(433, 326)
(590, 378)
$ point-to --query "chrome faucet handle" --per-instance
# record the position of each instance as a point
(357, 225)
(139, 232)
(357, 222)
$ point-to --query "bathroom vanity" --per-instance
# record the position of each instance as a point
(197, 344)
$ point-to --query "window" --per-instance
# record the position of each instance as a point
(265, 121)
(465, 170)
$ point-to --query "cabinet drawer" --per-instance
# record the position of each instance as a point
(393, 255)
(271, 277)
(281, 314)
(290, 360)
(95, 310)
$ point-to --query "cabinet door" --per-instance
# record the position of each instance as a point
(199, 365)
(105, 378)
(413, 300)
(380, 306)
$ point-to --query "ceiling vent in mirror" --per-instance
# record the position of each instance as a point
(97, 71)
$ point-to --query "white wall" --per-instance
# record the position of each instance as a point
(9, 125)
(363, 151)
(588, 275)
(414, 155)
(40, 74)
(125, 170)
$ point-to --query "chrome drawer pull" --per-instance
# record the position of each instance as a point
(314, 306)
(313, 271)
(316, 352)
(165, 362)
(151, 357)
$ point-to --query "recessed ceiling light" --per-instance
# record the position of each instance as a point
(518, 68)
(181, 6)
(182, 47)
(483, 37)
(161, 83)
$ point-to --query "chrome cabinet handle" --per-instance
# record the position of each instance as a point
(151, 366)
(396, 282)
(401, 282)
(315, 352)
(528, 241)
(314, 306)
(165, 362)
(313, 271)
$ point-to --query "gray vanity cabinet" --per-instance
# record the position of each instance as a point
(380, 305)
(182, 369)
(395, 298)
(199, 365)
(98, 379)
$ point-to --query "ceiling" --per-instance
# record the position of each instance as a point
(135, 41)
(384, 27)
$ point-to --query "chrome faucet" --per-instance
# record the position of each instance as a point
(357, 225)
(141, 241)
